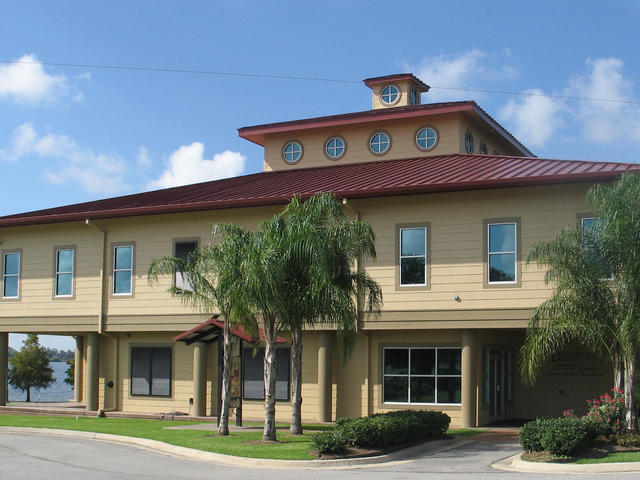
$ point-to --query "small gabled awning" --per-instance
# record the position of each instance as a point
(213, 329)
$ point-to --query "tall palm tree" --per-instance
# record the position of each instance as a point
(213, 283)
(321, 248)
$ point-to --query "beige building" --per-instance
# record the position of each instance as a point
(456, 203)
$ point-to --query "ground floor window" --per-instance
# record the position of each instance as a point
(422, 375)
(253, 374)
(151, 371)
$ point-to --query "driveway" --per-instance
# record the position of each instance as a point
(37, 456)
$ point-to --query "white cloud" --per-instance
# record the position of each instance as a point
(95, 172)
(465, 70)
(26, 81)
(187, 165)
(605, 122)
(534, 118)
(142, 159)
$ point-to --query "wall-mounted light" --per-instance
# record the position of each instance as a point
(457, 298)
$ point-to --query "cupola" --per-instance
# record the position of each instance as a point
(399, 90)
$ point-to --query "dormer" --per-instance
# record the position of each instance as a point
(400, 90)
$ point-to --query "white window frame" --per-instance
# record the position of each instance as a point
(514, 252)
(400, 256)
(296, 152)
(397, 94)
(58, 272)
(409, 375)
(115, 256)
(6, 275)
(339, 144)
(426, 147)
(387, 143)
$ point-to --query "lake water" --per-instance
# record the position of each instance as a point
(58, 392)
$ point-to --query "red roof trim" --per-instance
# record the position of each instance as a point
(235, 331)
(422, 175)
(423, 87)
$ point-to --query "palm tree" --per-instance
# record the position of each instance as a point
(321, 247)
(213, 283)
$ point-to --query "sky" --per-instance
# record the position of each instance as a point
(73, 134)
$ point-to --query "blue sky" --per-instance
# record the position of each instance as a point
(75, 134)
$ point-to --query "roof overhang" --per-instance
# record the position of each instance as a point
(211, 330)
(415, 81)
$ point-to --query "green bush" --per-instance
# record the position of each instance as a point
(610, 411)
(531, 434)
(328, 442)
(393, 428)
(566, 436)
(628, 439)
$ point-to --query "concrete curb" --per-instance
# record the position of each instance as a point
(398, 457)
(516, 464)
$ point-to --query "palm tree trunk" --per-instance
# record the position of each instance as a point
(28, 394)
(630, 393)
(269, 433)
(296, 382)
(223, 427)
(618, 372)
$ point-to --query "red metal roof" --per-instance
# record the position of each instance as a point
(442, 173)
(257, 134)
(215, 325)
(423, 87)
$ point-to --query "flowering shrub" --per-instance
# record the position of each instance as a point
(609, 412)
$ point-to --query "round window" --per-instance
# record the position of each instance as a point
(413, 96)
(426, 138)
(483, 147)
(468, 141)
(335, 147)
(379, 143)
(390, 95)
(292, 152)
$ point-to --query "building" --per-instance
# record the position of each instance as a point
(456, 202)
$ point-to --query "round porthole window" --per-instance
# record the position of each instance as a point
(390, 95)
(426, 138)
(379, 143)
(335, 147)
(483, 147)
(468, 141)
(292, 152)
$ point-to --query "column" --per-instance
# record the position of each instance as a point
(77, 371)
(199, 378)
(324, 377)
(93, 361)
(468, 417)
(4, 365)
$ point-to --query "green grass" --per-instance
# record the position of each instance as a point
(615, 457)
(290, 447)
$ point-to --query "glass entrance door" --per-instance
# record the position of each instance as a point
(497, 380)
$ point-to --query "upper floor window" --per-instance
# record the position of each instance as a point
(183, 251)
(123, 270)
(426, 138)
(379, 143)
(64, 272)
(502, 253)
(335, 147)
(292, 152)
(11, 275)
(390, 95)
(468, 141)
(483, 147)
(422, 375)
(413, 256)
(413, 96)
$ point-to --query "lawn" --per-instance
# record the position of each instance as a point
(614, 457)
(289, 447)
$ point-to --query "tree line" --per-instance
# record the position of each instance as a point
(53, 354)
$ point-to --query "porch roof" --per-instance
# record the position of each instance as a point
(212, 329)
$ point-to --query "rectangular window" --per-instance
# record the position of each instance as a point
(502, 252)
(422, 375)
(253, 374)
(11, 275)
(590, 230)
(183, 250)
(64, 272)
(413, 256)
(123, 270)
(151, 371)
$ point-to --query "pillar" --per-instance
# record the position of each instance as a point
(93, 361)
(324, 377)
(77, 371)
(4, 366)
(199, 378)
(468, 417)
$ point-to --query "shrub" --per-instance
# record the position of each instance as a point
(393, 428)
(609, 411)
(628, 439)
(566, 436)
(330, 442)
(530, 435)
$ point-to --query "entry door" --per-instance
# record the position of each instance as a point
(497, 380)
